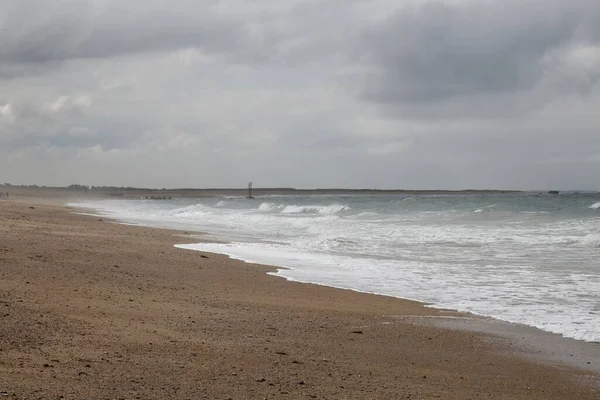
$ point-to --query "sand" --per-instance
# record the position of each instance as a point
(92, 309)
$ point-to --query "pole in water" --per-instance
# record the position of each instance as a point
(250, 190)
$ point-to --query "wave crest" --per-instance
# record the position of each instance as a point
(304, 209)
(266, 207)
(317, 209)
(591, 240)
(595, 206)
(190, 211)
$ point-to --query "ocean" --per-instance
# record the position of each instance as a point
(524, 258)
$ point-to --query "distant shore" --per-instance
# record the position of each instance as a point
(93, 309)
(118, 192)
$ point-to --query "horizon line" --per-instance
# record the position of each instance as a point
(77, 187)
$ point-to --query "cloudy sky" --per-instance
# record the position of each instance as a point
(301, 93)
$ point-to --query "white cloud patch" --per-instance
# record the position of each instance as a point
(7, 114)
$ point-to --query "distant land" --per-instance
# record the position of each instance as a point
(133, 192)
(77, 190)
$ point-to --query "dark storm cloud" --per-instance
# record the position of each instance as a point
(44, 31)
(440, 52)
(35, 32)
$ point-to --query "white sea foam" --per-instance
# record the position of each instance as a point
(486, 291)
(522, 259)
(595, 206)
(592, 240)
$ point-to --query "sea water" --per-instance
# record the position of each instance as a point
(525, 258)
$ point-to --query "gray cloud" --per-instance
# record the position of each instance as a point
(40, 32)
(291, 32)
(471, 57)
(356, 93)
(63, 122)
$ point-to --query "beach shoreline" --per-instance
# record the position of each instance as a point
(78, 277)
(290, 267)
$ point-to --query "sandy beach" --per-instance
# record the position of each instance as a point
(92, 309)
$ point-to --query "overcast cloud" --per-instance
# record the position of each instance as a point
(301, 93)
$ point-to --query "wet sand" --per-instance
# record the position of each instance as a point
(98, 310)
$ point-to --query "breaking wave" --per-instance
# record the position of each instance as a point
(595, 206)
(266, 206)
(591, 240)
(190, 211)
(304, 209)
(317, 209)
